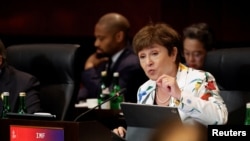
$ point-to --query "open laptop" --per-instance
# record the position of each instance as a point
(142, 119)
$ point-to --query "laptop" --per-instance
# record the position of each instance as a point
(142, 119)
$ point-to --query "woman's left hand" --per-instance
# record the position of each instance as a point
(169, 85)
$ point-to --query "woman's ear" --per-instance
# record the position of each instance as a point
(174, 53)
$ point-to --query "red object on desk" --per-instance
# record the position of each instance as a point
(35, 133)
(73, 131)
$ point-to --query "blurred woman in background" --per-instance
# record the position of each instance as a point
(198, 39)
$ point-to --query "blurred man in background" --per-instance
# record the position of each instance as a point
(15, 81)
(113, 54)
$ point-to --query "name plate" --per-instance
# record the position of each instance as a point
(35, 133)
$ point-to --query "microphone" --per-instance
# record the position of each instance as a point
(121, 92)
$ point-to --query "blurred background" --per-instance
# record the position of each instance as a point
(72, 21)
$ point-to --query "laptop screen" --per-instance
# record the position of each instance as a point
(141, 119)
(149, 116)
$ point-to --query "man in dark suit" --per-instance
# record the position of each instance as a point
(15, 81)
(112, 45)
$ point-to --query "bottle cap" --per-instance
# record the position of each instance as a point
(104, 73)
(248, 105)
(116, 74)
(22, 94)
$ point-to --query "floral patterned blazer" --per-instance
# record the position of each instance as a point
(200, 98)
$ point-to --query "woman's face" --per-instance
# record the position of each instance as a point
(194, 53)
(156, 61)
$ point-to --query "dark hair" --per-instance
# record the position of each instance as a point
(201, 32)
(116, 22)
(159, 33)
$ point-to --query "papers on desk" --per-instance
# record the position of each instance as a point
(88, 103)
(81, 104)
(42, 113)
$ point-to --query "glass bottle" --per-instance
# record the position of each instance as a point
(247, 118)
(104, 92)
(115, 103)
(6, 105)
(22, 107)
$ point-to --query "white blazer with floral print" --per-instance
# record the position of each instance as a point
(200, 98)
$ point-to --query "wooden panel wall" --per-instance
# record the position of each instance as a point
(76, 18)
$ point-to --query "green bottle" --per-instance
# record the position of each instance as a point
(22, 107)
(247, 119)
(115, 103)
(6, 105)
(104, 92)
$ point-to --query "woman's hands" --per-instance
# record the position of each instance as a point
(167, 84)
(120, 131)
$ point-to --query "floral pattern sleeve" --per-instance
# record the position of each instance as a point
(200, 99)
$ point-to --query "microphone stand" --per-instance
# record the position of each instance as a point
(99, 105)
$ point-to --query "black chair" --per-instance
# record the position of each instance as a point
(231, 69)
(57, 66)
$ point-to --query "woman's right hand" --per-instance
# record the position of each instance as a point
(120, 131)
